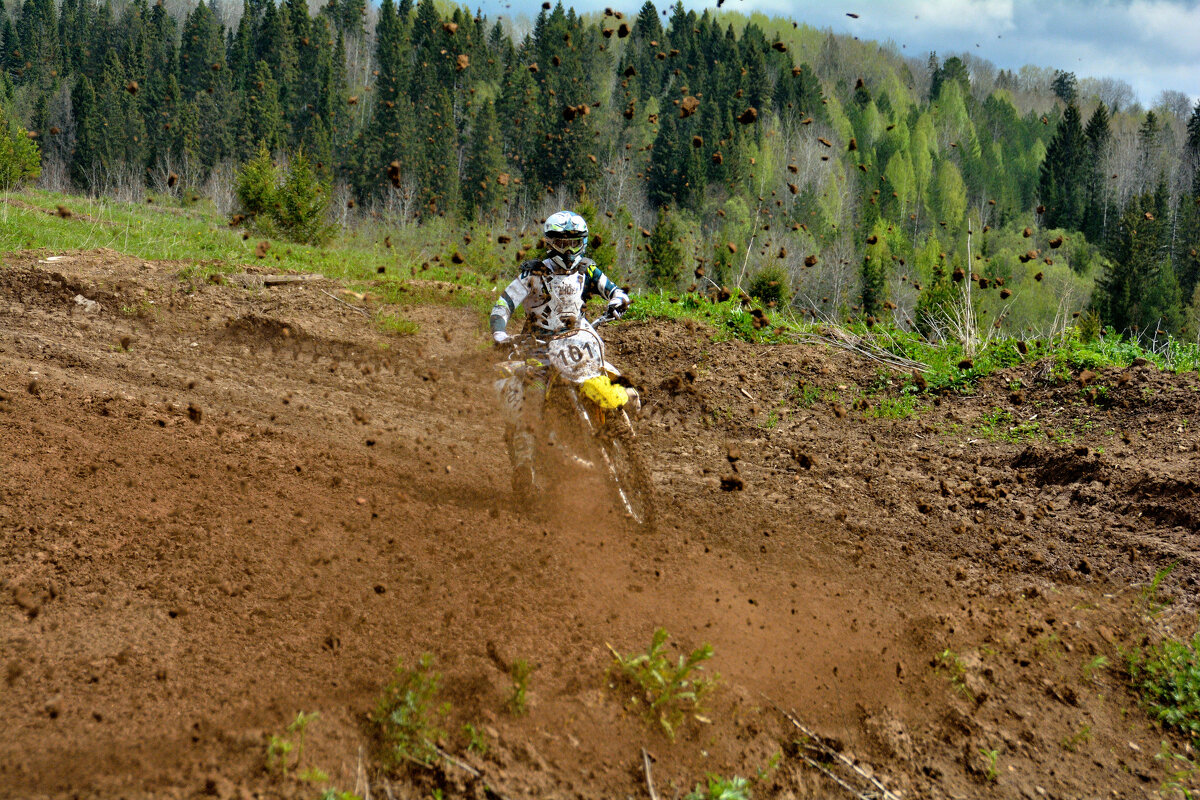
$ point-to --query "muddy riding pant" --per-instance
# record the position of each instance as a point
(521, 414)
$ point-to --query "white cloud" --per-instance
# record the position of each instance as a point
(1152, 44)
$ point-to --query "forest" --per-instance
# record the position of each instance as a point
(831, 179)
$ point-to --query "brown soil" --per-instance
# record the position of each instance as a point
(221, 507)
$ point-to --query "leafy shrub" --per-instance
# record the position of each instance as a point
(406, 716)
(20, 160)
(770, 285)
(1167, 677)
(669, 693)
(292, 202)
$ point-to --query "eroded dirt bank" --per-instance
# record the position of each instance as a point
(224, 506)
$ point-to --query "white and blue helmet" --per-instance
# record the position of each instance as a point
(566, 234)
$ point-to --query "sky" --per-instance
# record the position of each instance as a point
(1151, 44)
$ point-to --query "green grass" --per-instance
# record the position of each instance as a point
(901, 407)
(434, 263)
(202, 243)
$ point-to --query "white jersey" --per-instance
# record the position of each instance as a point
(553, 297)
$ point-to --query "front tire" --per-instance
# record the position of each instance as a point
(631, 482)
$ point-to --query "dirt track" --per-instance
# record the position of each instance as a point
(224, 507)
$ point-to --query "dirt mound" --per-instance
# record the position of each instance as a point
(214, 526)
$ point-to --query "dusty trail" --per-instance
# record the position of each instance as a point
(226, 506)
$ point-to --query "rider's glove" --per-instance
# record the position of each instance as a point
(501, 337)
(617, 306)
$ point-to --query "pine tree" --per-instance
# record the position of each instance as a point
(483, 194)
(1139, 292)
(664, 255)
(261, 123)
(438, 187)
(1063, 177)
(1098, 135)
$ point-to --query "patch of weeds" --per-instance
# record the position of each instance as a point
(993, 760)
(721, 788)
(391, 322)
(1092, 667)
(1047, 643)
(952, 665)
(1166, 677)
(280, 746)
(901, 407)
(406, 714)
(805, 395)
(999, 425)
(1080, 737)
(771, 421)
(143, 309)
(519, 672)
(1181, 772)
(669, 693)
(476, 742)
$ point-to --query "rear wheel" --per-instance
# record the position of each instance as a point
(631, 481)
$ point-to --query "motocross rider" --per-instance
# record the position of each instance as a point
(553, 291)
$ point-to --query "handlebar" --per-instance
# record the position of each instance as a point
(518, 342)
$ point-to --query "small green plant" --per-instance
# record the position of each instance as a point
(771, 421)
(1167, 678)
(669, 692)
(721, 788)
(314, 775)
(280, 746)
(406, 714)
(992, 757)
(1150, 598)
(950, 663)
(1092, 667)
(519, 672)
(1080, 737)
(476, 742)
(763, 773)
(391, 322)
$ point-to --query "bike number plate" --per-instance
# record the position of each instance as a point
(578, 357)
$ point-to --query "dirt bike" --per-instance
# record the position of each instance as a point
(585, 423)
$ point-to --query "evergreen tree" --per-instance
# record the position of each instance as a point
(483, 194)
(1099, 136)
(664, 255)
(1063, 177)
(261, 122)
(1065, 87)
(1139, 292)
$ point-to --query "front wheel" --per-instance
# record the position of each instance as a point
(630, 479)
